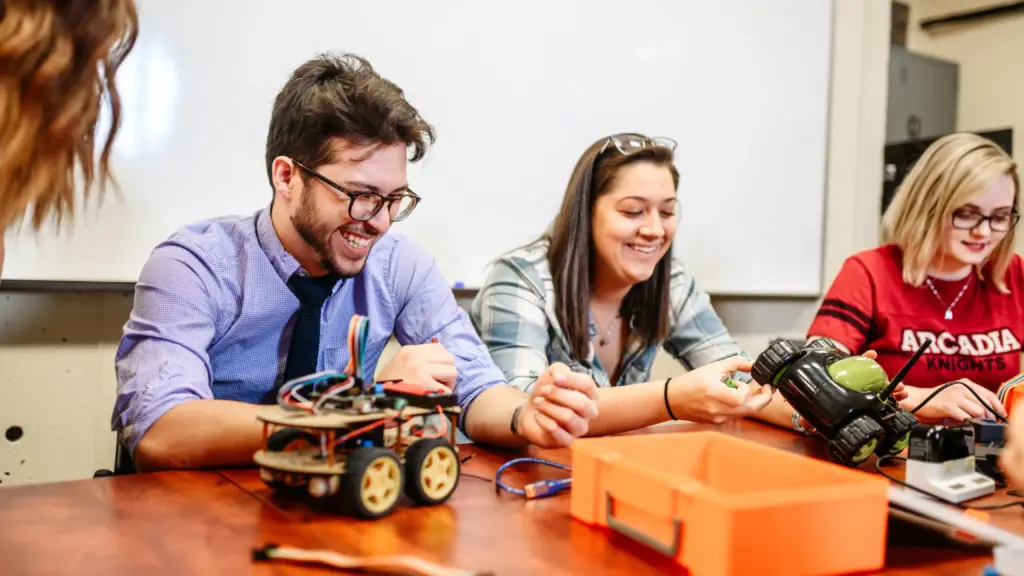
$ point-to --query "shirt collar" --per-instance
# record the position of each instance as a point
(284, 263)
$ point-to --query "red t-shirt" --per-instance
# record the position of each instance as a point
(869, 307)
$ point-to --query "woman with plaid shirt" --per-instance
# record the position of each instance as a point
(601, 293)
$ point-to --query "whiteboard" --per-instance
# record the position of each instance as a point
(517, 91)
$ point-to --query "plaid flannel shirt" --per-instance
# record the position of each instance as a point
(515, 316)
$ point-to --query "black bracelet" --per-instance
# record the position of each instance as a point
(667, 406)
(514, 424)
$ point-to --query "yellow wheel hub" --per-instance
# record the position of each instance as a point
(439, 472)
(381, 485)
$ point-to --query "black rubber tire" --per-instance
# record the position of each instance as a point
(350, 492)
(415, 456)
(824, 343)
(280, 439)
(277, 442)
(774, 359)
(852, 438)
(898, 427)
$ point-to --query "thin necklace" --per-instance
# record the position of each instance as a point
(607, 333)
(949, 311)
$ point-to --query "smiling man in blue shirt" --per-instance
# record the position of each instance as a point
(229, 308)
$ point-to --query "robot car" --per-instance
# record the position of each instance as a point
(846, 399)
(360, 446)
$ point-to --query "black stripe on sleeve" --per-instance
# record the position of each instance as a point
(854, 322)
(834, 303)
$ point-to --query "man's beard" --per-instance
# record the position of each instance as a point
(318, 235)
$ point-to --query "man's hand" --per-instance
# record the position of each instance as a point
(560, 407)
(428, 365)
(955, 402)
(702, 396)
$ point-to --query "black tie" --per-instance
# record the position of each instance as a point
(305, 345)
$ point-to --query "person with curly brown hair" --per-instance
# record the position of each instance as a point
(58, 62)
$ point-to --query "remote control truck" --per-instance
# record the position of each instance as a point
(846, 399)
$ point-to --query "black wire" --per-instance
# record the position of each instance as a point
(882, 459)
(984, 404)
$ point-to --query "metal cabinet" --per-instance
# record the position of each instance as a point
(922, 96)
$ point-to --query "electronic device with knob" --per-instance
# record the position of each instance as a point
(847, 399)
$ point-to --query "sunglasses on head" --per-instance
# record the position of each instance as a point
(628, 144)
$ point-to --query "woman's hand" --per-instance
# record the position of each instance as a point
(560, 408)
(956, 402)
(702, 395)
(1011, 459)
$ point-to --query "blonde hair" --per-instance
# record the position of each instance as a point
(951, 171)
(58, 62)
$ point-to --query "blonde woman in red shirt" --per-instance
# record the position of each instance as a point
(946, 273)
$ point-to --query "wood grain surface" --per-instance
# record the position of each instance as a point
(204, 522)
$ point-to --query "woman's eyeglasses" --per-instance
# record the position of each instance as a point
(628, 144)
(968, 219)
(364, 206)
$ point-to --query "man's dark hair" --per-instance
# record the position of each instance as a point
(341, 96)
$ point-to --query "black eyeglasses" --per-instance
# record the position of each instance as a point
(630, 143)
(364, 206)
(968, 219)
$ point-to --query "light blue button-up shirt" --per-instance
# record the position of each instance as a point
(213, 317)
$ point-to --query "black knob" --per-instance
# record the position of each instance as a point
(773, 360)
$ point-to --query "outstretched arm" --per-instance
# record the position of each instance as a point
(429, 310)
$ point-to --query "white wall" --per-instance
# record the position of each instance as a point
(56, 350)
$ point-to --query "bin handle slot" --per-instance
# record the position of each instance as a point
(671, 549)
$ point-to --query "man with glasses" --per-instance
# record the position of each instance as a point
(226, 310)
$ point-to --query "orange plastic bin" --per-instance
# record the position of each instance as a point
(720, 505)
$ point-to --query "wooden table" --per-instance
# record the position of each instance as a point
(209, 523)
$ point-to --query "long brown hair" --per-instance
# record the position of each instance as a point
(571, 248)
(58, 60)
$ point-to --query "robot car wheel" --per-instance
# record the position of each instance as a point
(431, 470)
(283, 482)
(856, 441)
(897, 434)
(372, 482)
(773, 361)
(825, 343)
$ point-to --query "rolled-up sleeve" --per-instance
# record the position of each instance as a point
(162, 359)
(508, 313)
(427, 309)
(698, 335)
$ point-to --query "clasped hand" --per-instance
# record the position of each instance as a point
(560, 407)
